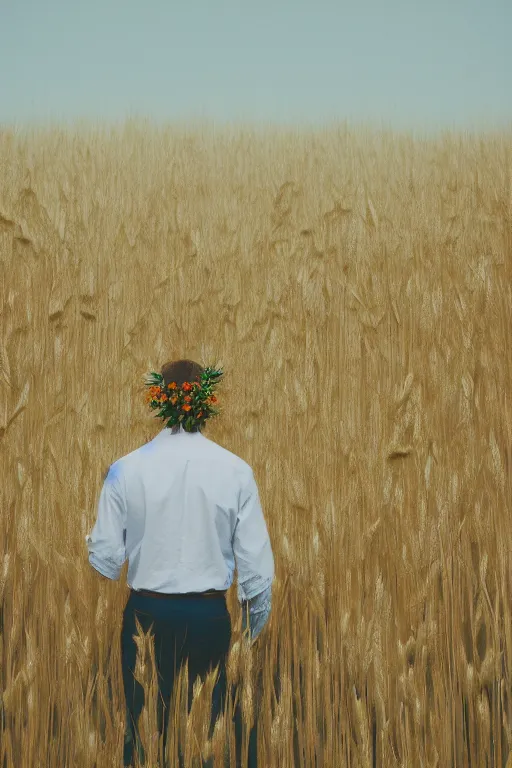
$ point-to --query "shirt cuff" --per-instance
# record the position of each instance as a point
(252, 587)
(261, 603)
(105, 569)
(259, 611)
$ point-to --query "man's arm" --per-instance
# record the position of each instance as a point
(254, 559)
(106, 542)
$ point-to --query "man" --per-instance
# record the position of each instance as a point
(185, 512)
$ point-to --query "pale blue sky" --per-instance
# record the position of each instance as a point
(434, 63)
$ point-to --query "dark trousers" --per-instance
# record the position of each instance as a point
(197, 628)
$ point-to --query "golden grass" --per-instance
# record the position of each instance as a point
(357, 289)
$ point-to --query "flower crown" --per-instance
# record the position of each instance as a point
(190, 404)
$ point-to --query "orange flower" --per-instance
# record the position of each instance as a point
(187, 407)
(164, 398)
(173, 400)
(187, 398)
(186, 386)
(199, 414)
(172, 385)
(213, 399)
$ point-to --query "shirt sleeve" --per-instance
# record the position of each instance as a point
(251, 545)
(106, 542)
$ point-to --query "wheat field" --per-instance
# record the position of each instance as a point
(356, 286)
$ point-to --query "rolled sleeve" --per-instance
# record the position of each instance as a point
(251, 545)
(106, 542)
(259, 610)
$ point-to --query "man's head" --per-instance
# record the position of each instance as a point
(181, 371)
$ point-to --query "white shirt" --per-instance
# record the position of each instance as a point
(184, 511)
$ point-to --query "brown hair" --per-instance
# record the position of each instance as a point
(181, 371)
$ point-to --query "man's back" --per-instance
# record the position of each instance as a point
(190, 513)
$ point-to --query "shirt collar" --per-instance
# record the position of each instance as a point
(166, 434)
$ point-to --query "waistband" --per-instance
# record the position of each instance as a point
(174, 595)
